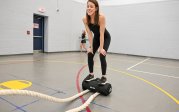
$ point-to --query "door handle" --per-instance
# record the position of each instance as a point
(38, 36)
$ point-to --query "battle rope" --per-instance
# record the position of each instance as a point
(50, 98)
(40, 95)
(91, 98)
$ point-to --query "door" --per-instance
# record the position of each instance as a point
(38, 33)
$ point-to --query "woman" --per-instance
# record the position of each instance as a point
(95, 22)
(83, 41)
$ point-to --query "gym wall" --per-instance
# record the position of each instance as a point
(145, 29)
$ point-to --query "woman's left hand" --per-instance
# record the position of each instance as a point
(102, 51)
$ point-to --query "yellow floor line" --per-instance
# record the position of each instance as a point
(150, 83)
(71, 62)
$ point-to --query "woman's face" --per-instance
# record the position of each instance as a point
(90, 8)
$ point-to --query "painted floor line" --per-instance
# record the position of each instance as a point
(170, 76)
(147, 63)
(138, 64)
(150, 83)
(78, 86)
(7, 61)
(71, 62)
(12, 104)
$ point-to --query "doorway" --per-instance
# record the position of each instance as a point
(38, 33)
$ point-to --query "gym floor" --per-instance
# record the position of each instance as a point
(139, 84)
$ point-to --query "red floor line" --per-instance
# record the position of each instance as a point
(78, 87)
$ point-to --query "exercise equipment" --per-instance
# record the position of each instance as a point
(87, 86)
(95, 86)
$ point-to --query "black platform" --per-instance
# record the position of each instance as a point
(95, 86)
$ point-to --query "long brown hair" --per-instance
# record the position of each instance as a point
(96, 17)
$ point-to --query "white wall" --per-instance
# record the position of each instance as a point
(120, 2)
(17, 17)
(60, 28)
(13, 26)
(78, 12)
(147, 29)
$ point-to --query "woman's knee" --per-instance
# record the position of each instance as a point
(90, 55)
(102, 57)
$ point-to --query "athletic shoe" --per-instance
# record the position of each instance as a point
(103, 80)
(89, 78)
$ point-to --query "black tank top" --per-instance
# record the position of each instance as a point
(83, 36)
(96, 31)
